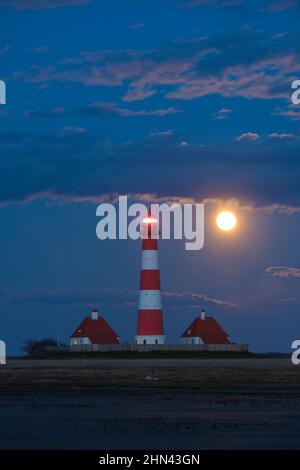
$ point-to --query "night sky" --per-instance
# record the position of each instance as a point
(186, 100)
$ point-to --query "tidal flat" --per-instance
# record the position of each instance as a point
(150, 404)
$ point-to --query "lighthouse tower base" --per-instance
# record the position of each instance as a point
(150, 339)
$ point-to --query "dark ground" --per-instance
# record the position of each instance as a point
(108, 404)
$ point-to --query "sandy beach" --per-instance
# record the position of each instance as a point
(150, 404)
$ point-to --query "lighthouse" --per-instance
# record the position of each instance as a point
(150, 328)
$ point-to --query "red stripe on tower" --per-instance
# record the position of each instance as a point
(150, 328)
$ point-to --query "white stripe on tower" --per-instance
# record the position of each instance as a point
(149, 259)
(150, 300)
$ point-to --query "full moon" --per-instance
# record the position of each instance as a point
(226, 221)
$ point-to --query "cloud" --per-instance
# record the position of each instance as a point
(292, 300)
(283, 135)
(245, 63)
(65, 131)
(283, 271)
(222, 114)
(107, 296)
(41, 49)
(291, 112)
(250, 136)
(56, 112)
(101, 109)
(73, 165)
(217, 3)
(88, 297)
(192, 299)
(139, 25)
(40, 4)
(270, 6)
(5, 49)
(138, 94)
(275, 6)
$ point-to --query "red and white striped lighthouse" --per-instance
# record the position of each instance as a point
(150, 328)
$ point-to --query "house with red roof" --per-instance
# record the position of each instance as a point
(205, 330)
(94, 330)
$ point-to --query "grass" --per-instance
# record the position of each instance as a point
(147, 355)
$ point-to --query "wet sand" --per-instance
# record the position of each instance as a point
(108, 404)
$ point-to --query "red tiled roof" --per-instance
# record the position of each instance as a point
(98, 331)
(208, 330)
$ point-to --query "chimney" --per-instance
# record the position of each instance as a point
(95, 315)
(202, 316)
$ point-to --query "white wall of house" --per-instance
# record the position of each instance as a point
(78, 341)
(192, 340)
(150, 339)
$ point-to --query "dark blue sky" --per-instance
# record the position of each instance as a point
(173, 98)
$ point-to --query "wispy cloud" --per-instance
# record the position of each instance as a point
(193, 299)
(289, 300)
(139, 25)
(275, 6)
(283, 271)
(250, 136)
(139, 93)
(292, 112)
(244, 63)
(222, 114)
(75, 165)
(40, 49)
(56, 112)
(276, 135)
(101, 109)
(113, 297)
(218, 3)
(5, 49)
(40, 4)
